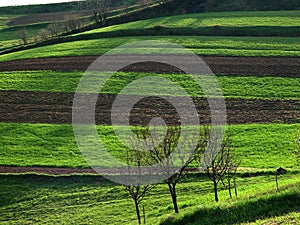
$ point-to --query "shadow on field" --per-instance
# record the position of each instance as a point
(15, 189)
(246, 212)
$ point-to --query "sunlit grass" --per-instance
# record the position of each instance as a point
(230, 19)
(208, 45)
(258, 145)
(232, 86)
(28, 199)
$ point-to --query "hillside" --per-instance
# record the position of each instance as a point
(255, 57)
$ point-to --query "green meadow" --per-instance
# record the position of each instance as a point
(262, 146)
(92, 199)
(226, 46)
(28, 199)
(232, 86)
(198, 20)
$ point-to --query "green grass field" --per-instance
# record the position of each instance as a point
(226, 46)
(27, 199)
(258, 145)
(7, 38)
(232, 86)
(10, 33)
(229, 19)
(5, 18)
(88, 199)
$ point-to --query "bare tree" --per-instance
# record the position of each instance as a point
(36, 38)
(173, 167)
(297, 144)
(99, 8)
(233, 164)
(144, 3)
(72, 22)
(54, 29)
(23, 35)
(44, 34)
(220, 165)
(137, 191)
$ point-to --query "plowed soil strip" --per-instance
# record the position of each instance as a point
(56, 108)
(61, 171)
(45, 170)
(259, 66)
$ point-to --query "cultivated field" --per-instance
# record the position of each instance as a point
(259, 78)
(198, 22)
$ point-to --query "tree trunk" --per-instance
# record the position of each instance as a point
(235, 190)
(216, 191)
(137, 212)
(229, 187)
(144, 214)
(172, 188)
(277, 186)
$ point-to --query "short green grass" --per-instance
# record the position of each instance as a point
(232, 86)
(292, 218)
(258, 145)
(8, 37)
(230, 19)
(246, 209)
(11, 33)
(227, 46)
(5, 18)
(28, 199)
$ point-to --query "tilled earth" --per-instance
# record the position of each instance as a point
(56, 108)
(258, 66)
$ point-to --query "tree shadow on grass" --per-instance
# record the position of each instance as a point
(245, 212)
(15, 189)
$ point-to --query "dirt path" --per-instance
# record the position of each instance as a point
(258, 66)
(44, 170)
(61, 171)
(56, 108)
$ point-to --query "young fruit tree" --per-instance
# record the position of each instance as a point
(233, 164)
(173, 157)
(99, 9)
(23, 35)
(219, 165)
(135, 160)
(297, 144)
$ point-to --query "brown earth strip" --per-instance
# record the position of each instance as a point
(258, 66)
(61, 171)
(56, 108)
(45, 170)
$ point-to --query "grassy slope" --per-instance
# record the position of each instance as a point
(10, 33)
(232, 86)
(6, 39)
(288, 219)
(40, 200)
(231, 46)
(259, 146)
(236, 19)
(202, 45)
(28, 199)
